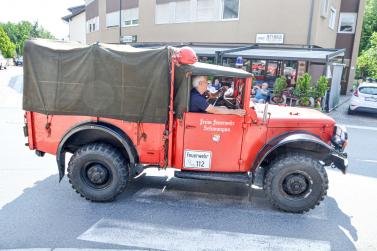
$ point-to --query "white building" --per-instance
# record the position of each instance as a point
(77, 24)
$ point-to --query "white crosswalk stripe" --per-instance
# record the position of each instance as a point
(150, 236)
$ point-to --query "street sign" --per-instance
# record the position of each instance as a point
(269, 38)
(129, 39)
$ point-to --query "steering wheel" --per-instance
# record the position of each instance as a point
(219, 97)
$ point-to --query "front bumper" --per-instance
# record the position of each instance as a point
(363, 109)
(339, 160)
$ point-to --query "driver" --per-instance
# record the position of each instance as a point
(198, 103)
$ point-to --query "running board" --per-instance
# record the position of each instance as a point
(227, 177)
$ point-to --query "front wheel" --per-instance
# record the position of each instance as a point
(296, 182)
(98, 172)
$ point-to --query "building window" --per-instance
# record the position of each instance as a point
(130, 17)
(112, 19)
(347, 22)
(182, 11)
(207, 10)
(174, 11)
(332, 18)
(325, 8)
(230, 9)
(92, 25)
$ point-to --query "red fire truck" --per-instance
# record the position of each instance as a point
(100, 103)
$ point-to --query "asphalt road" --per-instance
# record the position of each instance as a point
(160, 212)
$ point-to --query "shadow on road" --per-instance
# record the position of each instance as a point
(51, 215)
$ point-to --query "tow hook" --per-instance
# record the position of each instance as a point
(39, 153)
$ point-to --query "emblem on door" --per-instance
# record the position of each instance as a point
(216, 138)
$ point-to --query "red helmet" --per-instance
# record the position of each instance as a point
(186, 55)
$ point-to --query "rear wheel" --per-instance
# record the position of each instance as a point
(98, 172)
(350, 111)
(296, 182)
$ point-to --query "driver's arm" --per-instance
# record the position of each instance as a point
(221, 110)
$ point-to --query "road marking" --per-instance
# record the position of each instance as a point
(367, 160)
(152, 236)
(361, 127)
(28, 249)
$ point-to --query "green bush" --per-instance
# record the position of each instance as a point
(321, 88)
(7, 48)
(280, 85)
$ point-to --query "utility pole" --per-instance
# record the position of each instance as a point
(120, 21)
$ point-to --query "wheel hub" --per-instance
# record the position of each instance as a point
(98, 174)
(295, 184)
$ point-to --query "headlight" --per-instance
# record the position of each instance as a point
(340, 137)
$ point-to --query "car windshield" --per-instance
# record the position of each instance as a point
(368, 90)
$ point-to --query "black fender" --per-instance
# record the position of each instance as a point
(298, 140)
(111, 131)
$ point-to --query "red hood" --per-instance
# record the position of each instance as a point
(286, 116)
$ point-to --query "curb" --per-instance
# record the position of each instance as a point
(346, 99)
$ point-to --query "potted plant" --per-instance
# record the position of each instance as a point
(303, 90)
(320, 90)
(280, 85)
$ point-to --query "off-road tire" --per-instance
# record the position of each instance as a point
(116, 166)
(290, 164)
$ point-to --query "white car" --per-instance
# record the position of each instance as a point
(364, 98)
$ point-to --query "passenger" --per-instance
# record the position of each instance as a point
(198, 102)
(217, 84)
(261, 94)
(211, 88)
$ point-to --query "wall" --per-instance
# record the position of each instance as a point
(351, 41)
(77, 28)
(322, 35)
(254, 17)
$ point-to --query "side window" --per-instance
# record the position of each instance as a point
(226, 92)
(217, 91)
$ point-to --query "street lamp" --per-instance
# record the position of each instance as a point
(120, 21)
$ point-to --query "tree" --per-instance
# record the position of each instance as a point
(7, 48)
(369, 24)
(24, 30)
(367, 61)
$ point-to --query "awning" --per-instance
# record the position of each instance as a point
(318, 55)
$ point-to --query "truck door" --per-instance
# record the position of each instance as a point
(212, 142)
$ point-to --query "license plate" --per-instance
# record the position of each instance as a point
(197, 159)
(371, 99)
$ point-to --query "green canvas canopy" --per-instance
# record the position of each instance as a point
(105, 80)
(114, 81)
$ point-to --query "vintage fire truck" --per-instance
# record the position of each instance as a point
(120, 109)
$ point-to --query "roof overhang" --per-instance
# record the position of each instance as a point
(316, 55)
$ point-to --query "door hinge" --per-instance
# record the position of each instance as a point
(240, 161)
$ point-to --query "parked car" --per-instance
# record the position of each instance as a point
(364, 99)
(3, 62)
(19, 61)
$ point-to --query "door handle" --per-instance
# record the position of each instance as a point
(190, 127)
